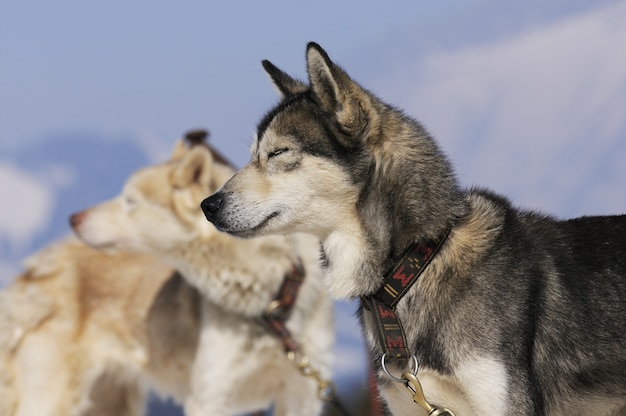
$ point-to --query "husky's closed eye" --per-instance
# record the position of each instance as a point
(277, 152)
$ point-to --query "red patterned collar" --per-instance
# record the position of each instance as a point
(397, 282)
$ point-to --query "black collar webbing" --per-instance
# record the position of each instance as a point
(397, 282)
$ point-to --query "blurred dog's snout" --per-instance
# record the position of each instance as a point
(76, 219)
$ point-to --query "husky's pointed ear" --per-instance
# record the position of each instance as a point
(337, 93)
(194, 168)
(322, 75)
(287, 85)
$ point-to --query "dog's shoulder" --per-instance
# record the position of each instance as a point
(517, 225)
(51, 260)
(488, 213)
(492, 229)
(26, 301)
(473, 237)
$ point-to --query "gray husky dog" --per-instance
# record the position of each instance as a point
(512, 313)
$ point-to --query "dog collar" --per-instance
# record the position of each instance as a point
(398, 280)
(279, 310)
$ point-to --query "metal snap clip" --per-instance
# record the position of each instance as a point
(394, 378)
(415, 387)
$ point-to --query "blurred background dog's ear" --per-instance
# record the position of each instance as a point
(197, 136)
(194, 168)
(190, 139)
(200, 137)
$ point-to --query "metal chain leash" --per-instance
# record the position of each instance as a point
(326, 390)
(275, 318)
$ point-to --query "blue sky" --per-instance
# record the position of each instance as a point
(154, 69)
(162, 66)
(527, 98)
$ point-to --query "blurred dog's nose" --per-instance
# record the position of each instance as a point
(76, 219)
(211, 205)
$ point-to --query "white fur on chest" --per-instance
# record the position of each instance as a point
(344, 275)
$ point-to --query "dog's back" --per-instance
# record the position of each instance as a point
(561, 287)
(582, 316)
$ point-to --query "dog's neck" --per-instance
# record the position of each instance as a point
(396, 208)
(213, 264)
(354, 269)
(349, 273)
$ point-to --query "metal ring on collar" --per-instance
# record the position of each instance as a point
(394, 378)
(272, 307)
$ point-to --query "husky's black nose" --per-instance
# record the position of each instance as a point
(211, 205)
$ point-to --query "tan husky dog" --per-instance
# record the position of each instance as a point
(83, 332)
(240, 366)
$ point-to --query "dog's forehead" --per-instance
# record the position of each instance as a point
(293, 117)
(285, 105)
(151, 183)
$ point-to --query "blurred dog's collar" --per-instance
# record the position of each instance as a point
(279, 310)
